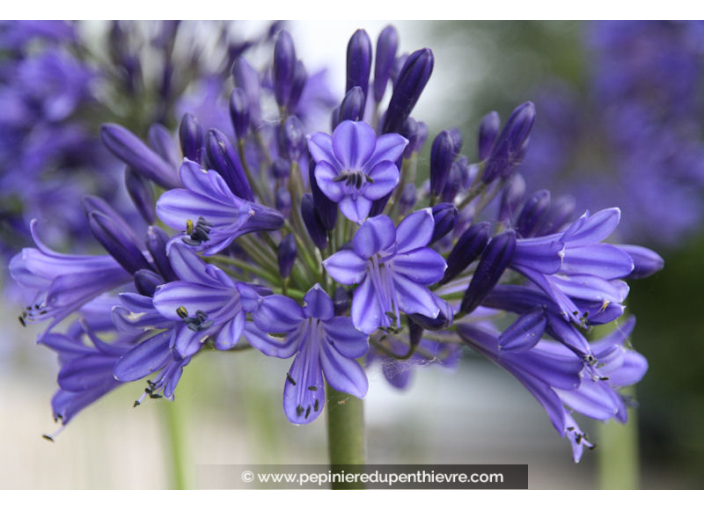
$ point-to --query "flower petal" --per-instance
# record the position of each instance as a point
(389, 147)
(343, 374)
(424, 266)
(346, 267)
(366, 310)
(325, 176)
(344, 338)
(355, 208)
(320, 147)
(353, 144)
(385, 176)
(278, 314)
(318, 304)
(414, 298)
(270, 345)
(375, 235)
(304, 391)
(144, 359)
(415, 231)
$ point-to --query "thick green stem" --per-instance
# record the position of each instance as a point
(619, 466)
(346, 438)
(174, 439)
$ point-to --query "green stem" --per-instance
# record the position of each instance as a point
(271, 278)
(618, 453)
(346, 441)
(175, 445)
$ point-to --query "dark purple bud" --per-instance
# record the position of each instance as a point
(163, 143)
(359, 61)
(469, 246)
(524, 333)
(512, 198)
(410, 133)
(456, 135)
(378, 206)
(239, 112)
(488, 131)
(300, 78)
(444, 216)
(560, 214)
(441, 157)
(147, 281)
(467, 173)
(190, 134)
(247, 79)
(315, 227)
(288, 250)
(492, 265)
(533, 213)
(409, 86)
(264, 218)
(326, 208)
(415, 332)
(284, 68)
(157, 241)
(453, 184)
(283, 201)
(335, 118)
(422, 136)
(223, 158)
(408, 198)
(341, 300)
(120, 243)
(399, 62)
(96, 204)
(135, 153)
(142, 194)
(646, 262)
(509, 148)
(386, 46)
(352, 107)
(294, 138)
(280, 168)
(442, 321)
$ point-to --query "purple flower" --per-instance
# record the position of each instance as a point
(323, 345)
(354, 167)
(557, 378)
(393, 268)
(210, 213)
(63, 283)
(204, 303)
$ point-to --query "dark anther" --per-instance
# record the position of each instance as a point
(136, 403)
(155, 395)
(307, 412)
(197, 323)
(182, 312)
(339, 178)
(316, 405)
(570, 429)
(369, 179)
(299, 410)
(24, 324)
(198, 233)
(604, 378)
(290, 379)
(48, 438)
(313, 388)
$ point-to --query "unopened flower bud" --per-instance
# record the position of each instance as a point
(492, 265)
(315, 228)
(533, 213)
(223, 158)
(284, 68)
(441, 157)
(469, 247)
(288, 250)
(190, 134)
(488, 131)
(120, 243)
(444, 216)
(386, 46)
(410, 84)
(142, 194)
(239, 112)
(359, 61)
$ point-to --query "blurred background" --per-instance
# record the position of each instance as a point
(620, 109)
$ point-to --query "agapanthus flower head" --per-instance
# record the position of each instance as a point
(253, 248)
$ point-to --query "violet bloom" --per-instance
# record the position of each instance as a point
(393, 268)
(210, 213)
(63, 283)
(556, 377)
(205, 304)
(354, 167)
(323, 344)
